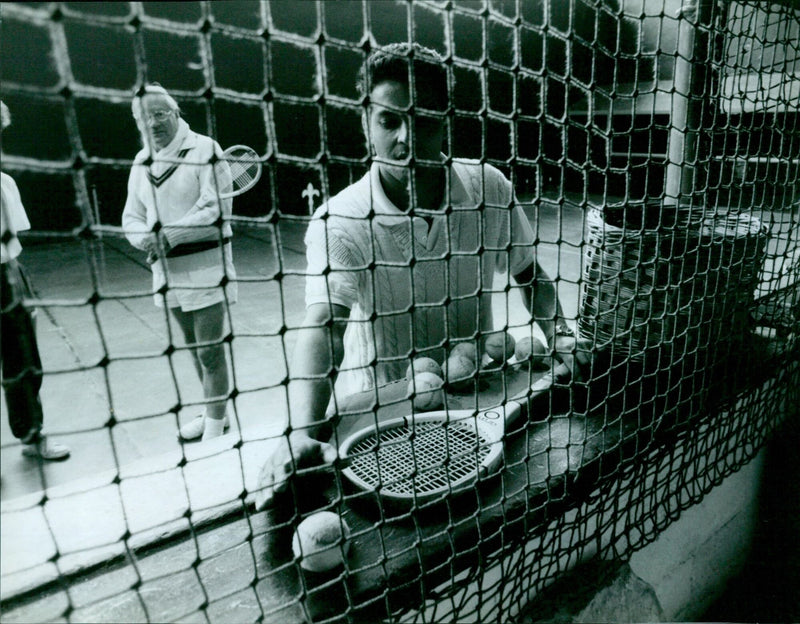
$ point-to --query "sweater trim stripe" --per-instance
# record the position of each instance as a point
(159, 180)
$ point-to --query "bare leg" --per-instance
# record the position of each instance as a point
(209, 326)
(186, 323)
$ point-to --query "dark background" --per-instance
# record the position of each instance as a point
(253, 74)
(766, 589)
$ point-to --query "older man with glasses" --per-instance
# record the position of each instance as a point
(174, 213)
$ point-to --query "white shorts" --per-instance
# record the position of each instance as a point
(193, 281)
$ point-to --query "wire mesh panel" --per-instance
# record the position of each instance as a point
(625, 168)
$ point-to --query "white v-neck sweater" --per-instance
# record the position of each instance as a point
(184, 201)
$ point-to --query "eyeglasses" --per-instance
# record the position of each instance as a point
(157, 116)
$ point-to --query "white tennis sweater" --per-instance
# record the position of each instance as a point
(178, 188)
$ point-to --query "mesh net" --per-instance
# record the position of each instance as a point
(654, 149)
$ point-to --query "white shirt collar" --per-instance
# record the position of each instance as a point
(382, 205)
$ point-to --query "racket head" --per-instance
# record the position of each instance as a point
(245, 169)
(424, 456)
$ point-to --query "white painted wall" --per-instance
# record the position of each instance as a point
(690, 563)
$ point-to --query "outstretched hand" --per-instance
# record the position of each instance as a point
(288, 456)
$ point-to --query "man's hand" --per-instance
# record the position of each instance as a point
(298, 452)
(576, 354)
(150, 244)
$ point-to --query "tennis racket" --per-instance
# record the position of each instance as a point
(423, 456)
(245, 168)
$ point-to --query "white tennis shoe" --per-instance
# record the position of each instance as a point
(45, 448)
(193, 430)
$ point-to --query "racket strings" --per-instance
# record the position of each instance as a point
(242, 174)
(244, 167)
(404, 461)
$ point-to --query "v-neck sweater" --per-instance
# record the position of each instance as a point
(180, 193)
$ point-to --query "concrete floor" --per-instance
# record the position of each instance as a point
(79, 395)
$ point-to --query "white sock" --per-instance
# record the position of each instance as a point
(213, 428)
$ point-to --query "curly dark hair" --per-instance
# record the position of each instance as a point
(391, 62)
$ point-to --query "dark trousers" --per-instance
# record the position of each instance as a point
(21, 364)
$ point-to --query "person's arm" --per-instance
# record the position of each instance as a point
(134, 219)
(539, 292)
(318, 352)
(317, 355)
(537, 288)
(540, 298)
(13, 210)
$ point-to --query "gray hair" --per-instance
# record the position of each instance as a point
(152, 89)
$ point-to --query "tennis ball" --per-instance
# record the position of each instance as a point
(467, 349)
(533, 349)
(424, 365)
(321, 541)
(499, 346)
(429, 390)
(460, 371)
